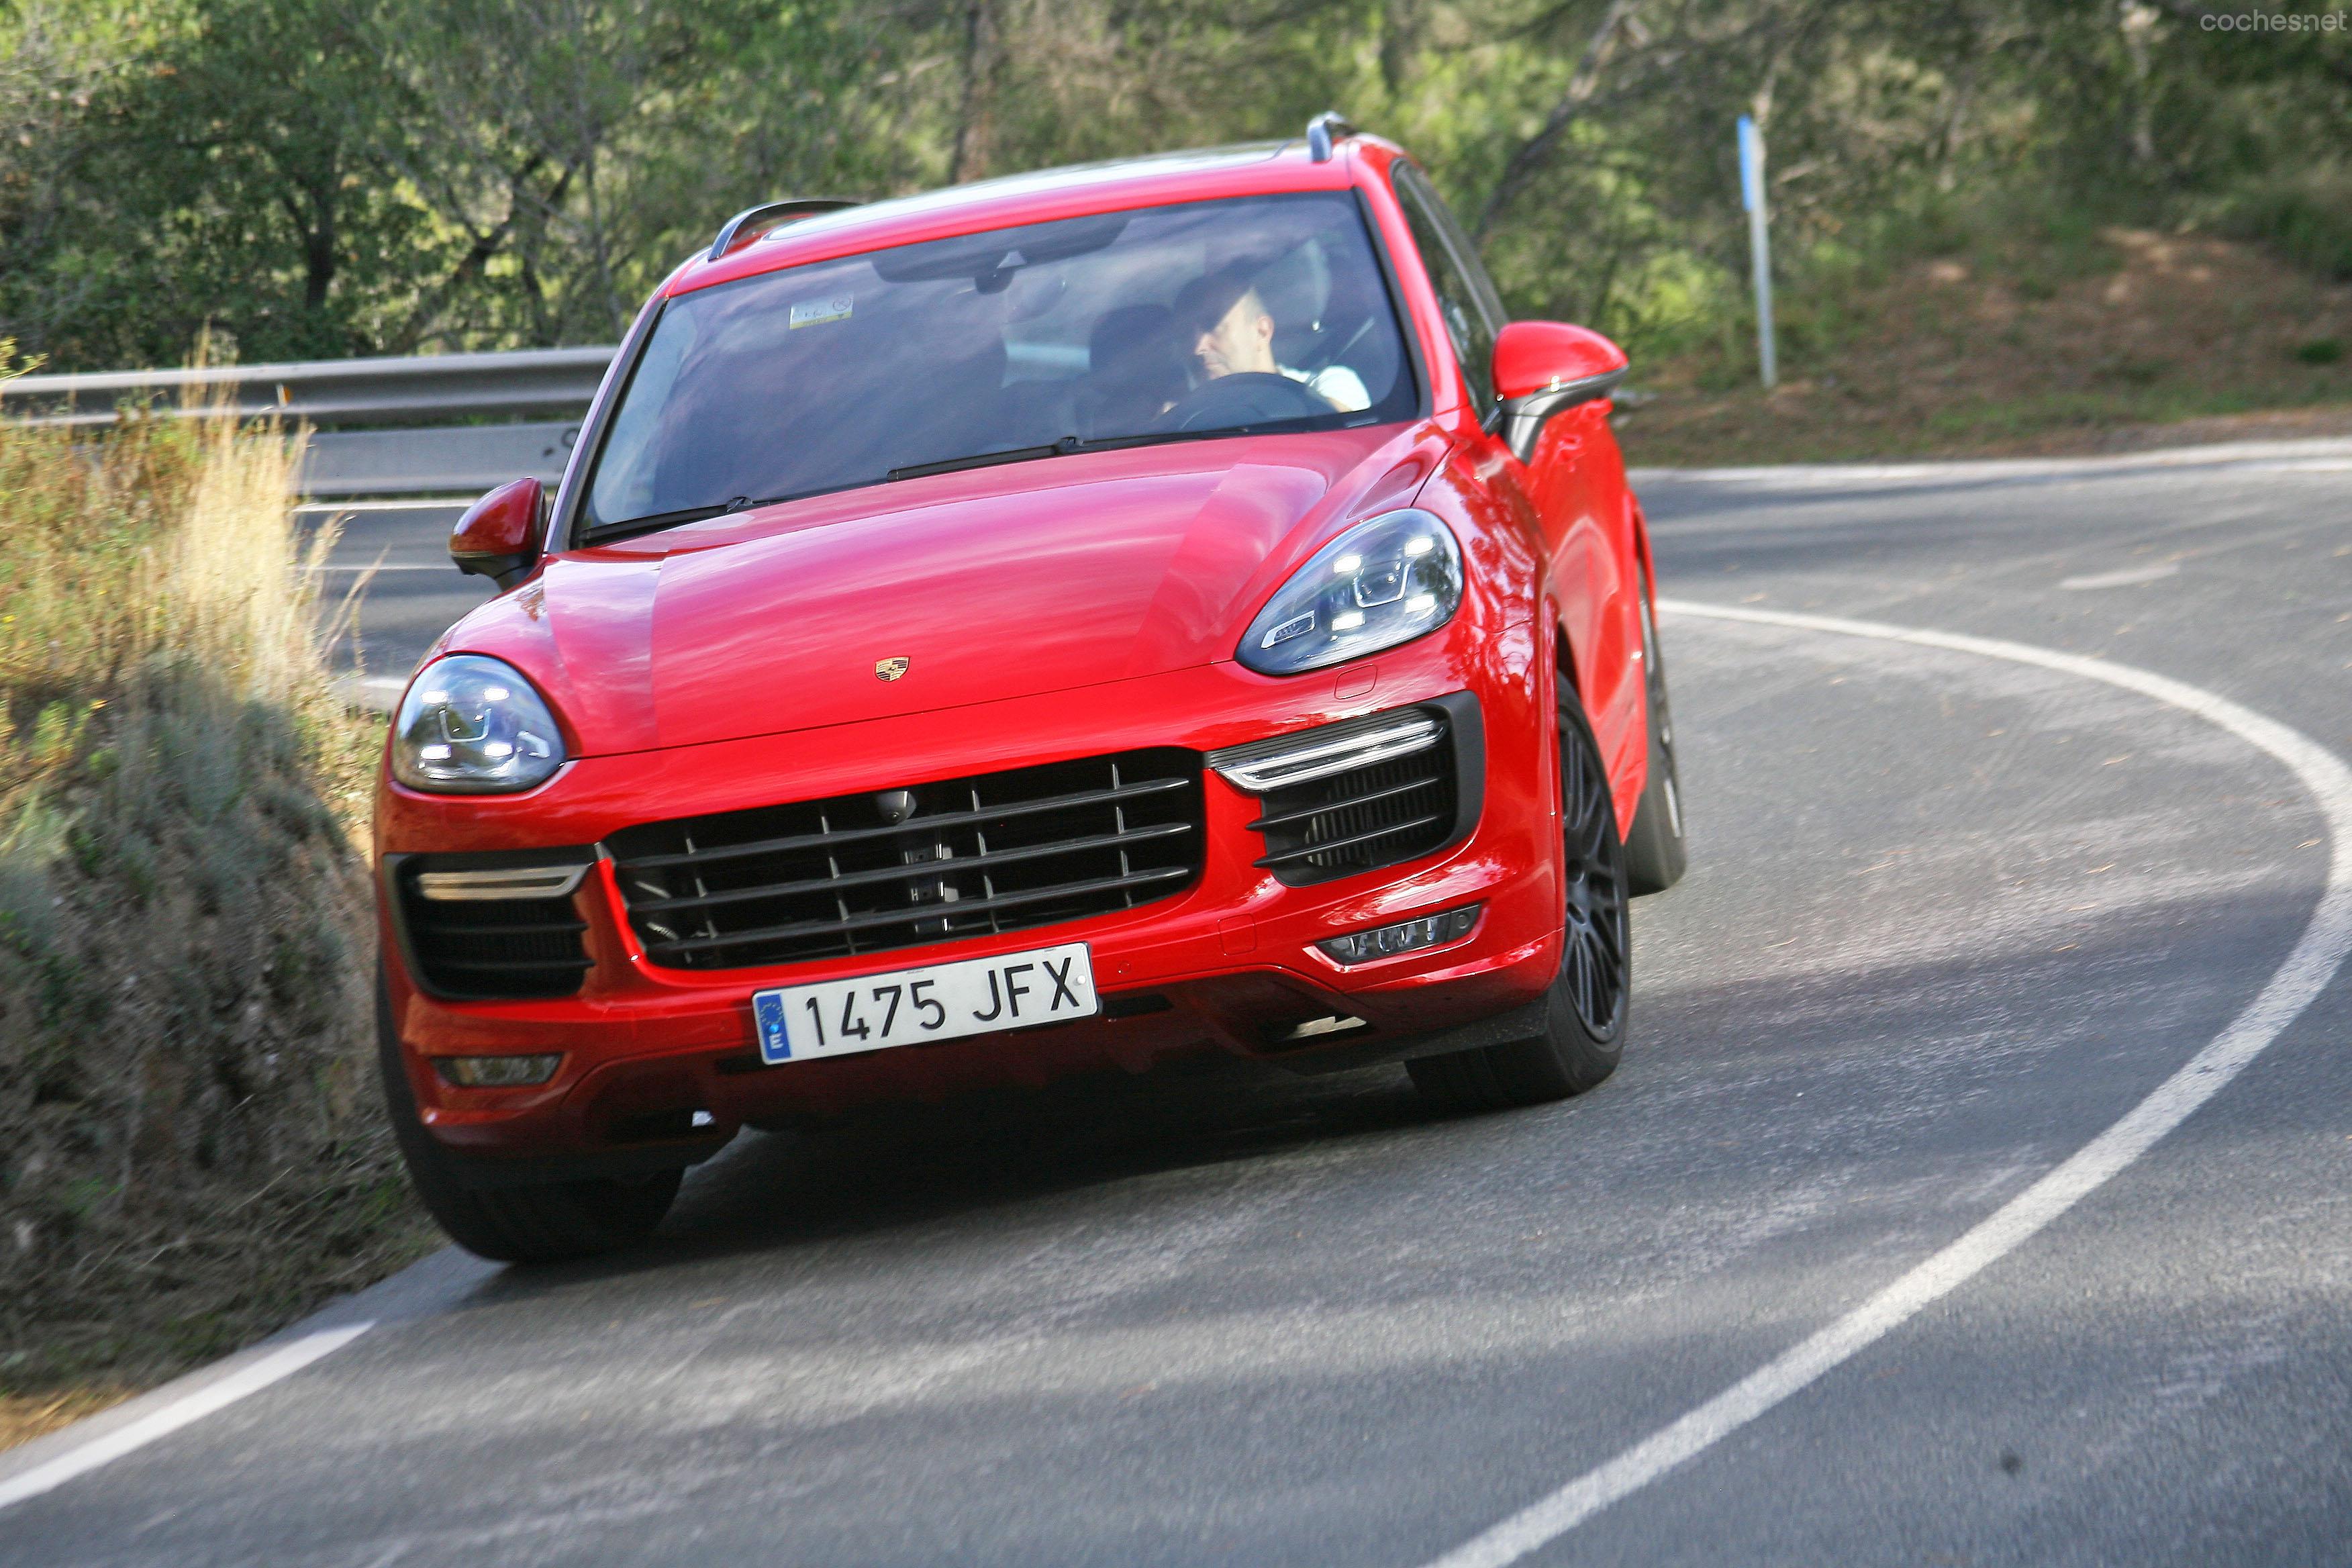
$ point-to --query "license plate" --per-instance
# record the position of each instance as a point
(944, 1002)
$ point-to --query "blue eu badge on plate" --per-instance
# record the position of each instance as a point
(768, 1012)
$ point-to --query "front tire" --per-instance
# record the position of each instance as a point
(546, 1223)
(1656, 854)
(1586, 1007)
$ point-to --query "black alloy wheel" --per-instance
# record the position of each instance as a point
(1585, 1009)
(1656, 853)
(1592, 864)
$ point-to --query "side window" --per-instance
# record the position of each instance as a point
(1472, 312)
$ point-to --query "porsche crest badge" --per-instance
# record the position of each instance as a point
(889, 669)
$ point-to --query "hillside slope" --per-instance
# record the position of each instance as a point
(2128, 340)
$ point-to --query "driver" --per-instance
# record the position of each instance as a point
(1235, 337)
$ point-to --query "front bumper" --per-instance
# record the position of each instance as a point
(1230, 965)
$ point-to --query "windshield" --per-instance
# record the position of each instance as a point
(1120, 328)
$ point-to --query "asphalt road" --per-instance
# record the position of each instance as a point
(397, 554)
(1950, 918)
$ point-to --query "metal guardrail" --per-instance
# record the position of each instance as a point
(384, 426)
(363, 392)
(443, 460)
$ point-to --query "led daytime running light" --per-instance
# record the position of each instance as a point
(1406, 936)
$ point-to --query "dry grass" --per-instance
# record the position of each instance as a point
(2130, 339)
(25, 1417)
(191, 1152)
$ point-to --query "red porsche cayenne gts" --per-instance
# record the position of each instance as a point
(1074, 620)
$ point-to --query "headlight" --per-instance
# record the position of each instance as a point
(1379, 583)
(471, 725)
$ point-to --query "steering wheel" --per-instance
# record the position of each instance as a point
(1244, 397)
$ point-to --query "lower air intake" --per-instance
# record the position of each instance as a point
(1364, 793)
(484, 928)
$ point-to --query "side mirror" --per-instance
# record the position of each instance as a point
(1544, 367)
(499, 536)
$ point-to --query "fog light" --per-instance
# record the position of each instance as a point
(1387, 941)
(497, 1072)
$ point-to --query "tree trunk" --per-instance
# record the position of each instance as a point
(1537, 148)
(1400, 40)
(319, 261)
(314, 221)
(2137, 21)
(975, 128)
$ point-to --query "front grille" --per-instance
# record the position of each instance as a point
(1383, 811)
(477, 949)
(865, 873)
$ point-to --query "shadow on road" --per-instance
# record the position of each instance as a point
(903, 1165)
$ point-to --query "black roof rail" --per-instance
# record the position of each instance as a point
(1323, 130)
(752, 222)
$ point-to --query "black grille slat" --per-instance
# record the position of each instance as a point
(1265, 824)
(1334, 845)
(494, 949)
(975, 856)
(980, 862)
(454, 929)
(509, 965)
(956, 911)
(1382, 813)
(827, 840)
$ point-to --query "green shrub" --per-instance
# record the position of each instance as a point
(2306, 216)
(189, 1147)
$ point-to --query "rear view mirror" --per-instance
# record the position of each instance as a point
(499, 536)
(1544, 367)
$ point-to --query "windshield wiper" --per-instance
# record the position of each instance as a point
(656, 522)
(982, 460)
(1061, 449)
(659, 519)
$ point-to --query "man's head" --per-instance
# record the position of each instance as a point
(1234, 332)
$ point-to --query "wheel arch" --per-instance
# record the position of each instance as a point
(1644, 557)
(1563, 651)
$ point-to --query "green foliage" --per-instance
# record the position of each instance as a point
(2304, 213)
(387, 176)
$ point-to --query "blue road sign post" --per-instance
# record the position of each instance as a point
(1760, 243)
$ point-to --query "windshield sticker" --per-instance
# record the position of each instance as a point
(816, 312)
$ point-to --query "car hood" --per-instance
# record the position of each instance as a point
(935, 593)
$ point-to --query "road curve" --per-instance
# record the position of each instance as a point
(1951, 918)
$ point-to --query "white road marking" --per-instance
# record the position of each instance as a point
(2312, 963)
(2325, 454)
(227, 1390)
(2124, 578)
